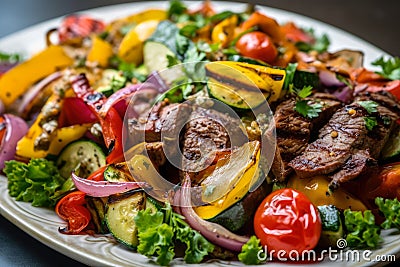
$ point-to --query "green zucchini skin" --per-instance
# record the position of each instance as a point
(86, 154)
(97, 208)
(332, 226)
(118, 172)
(237, 216)
(238, 98)
(121, 209)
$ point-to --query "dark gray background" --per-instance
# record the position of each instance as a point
(374, 21)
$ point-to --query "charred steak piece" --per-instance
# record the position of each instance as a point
(162, 119)
(295, 131)
(206, 132)
(352, 138)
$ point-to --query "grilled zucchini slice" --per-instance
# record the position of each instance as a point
(120, 216)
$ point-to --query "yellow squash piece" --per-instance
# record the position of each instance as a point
(131, 47)
(223, 33)
(245, 174)
(149, 14)
(315, 189)
(268, 80)
(16, 81)
(100, 52)
(61, 138)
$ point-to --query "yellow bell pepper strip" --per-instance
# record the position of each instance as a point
(111, 122)
(265, 24)
(223, 33)
(60, 138)
(315, 189)
(17, 81)
(100, 52)
(235, 195)
(149, 14)
(131, 47)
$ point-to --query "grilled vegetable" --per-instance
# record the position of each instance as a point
(236, 97)
(239, 214)
(118, 172)
(252, 77)
(121, 210)
(332, 226)
(97, 208)
(39, 66)
(159, 46)
(83, 153)
(230, 182)
(315, 189)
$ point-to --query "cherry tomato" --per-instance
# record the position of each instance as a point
(257, 45)
(71, 208)
(287, 220)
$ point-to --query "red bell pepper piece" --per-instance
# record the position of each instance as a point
(71, 208)
(111, 123)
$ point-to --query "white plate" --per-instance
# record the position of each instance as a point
(43, 224)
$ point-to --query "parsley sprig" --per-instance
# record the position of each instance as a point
(305, 107)
(390, 68)
(371, 107)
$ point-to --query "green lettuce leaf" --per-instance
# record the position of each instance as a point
(250, 252)
(36, 182)
(362, 230)
(391, 210)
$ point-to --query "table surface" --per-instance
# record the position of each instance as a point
(373, 21)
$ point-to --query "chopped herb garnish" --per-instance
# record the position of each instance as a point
(369, 105)
(370, 123)
(308, 110)
(390, 68)
(320, 45)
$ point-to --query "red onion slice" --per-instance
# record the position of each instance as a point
(104, 188)
(215, 233)
(123, 94)
(16, 128)
(26, 102)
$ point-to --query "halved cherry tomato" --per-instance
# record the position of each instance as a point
(71, 208)
(287, 220)
(257, 45)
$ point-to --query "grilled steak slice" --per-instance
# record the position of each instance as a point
(353, 167)
(156, 154)
(206, 132)
(295, 131)
(162, 119)
(341, 140)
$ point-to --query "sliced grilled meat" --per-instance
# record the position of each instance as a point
(295, 131)
(345, 145)
(353, 167)
(206, 132)
(162, 119)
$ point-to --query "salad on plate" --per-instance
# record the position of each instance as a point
(208, 136)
